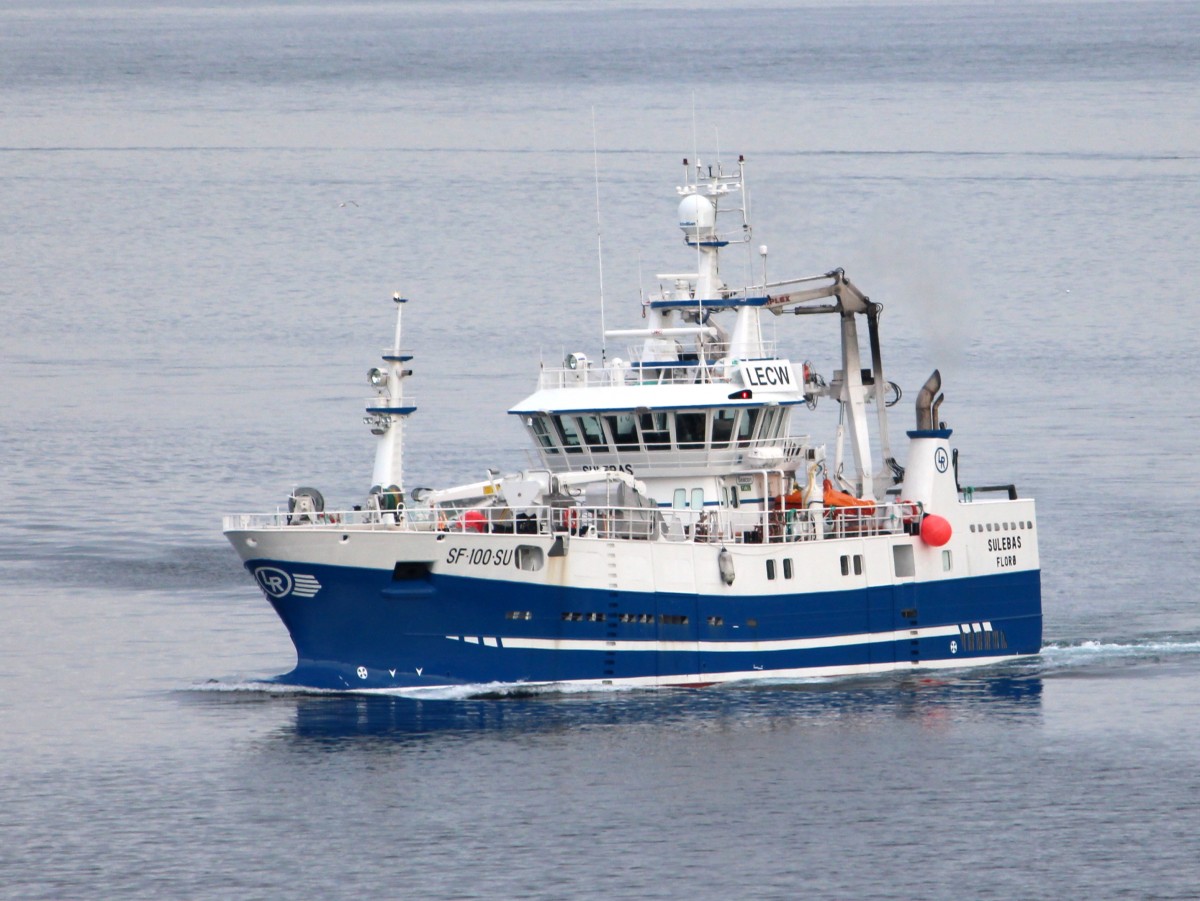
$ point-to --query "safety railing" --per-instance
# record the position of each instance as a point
(718, 525)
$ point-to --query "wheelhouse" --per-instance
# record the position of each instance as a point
(633, 436)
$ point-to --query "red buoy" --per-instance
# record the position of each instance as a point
(935, 530)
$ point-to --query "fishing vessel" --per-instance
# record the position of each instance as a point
(678, 529)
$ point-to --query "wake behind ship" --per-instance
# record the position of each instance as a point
(678, 530)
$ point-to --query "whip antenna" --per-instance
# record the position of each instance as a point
(599, 242)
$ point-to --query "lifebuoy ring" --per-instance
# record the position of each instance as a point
(570, 519)
(910, 511)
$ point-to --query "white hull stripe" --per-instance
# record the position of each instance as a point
(813, 672)
(717, 647)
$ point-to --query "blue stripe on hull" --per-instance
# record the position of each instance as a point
(363, 630)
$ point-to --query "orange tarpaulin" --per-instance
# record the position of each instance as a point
(836, 498)
(792, 501)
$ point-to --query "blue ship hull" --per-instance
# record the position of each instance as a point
(366, 629)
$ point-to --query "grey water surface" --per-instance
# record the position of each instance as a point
(206, 207)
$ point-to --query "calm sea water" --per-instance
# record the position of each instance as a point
(206, 207)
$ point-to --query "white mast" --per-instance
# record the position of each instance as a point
(386, 414)
(698, 212)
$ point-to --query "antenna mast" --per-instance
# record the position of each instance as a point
(599, 241)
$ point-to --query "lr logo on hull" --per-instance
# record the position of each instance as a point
(278, 583)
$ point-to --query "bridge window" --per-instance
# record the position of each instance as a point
(541, 432)
(623, 429)
(772, 423)
(689, 430)
(722, 427)
(746, 427)
(593, 434)
(654, 431)
(766, 425)
(569, 433)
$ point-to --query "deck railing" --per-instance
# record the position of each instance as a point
(720, 526)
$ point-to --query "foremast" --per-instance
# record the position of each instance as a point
(386, 414)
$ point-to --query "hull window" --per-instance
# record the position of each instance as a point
(852, 562)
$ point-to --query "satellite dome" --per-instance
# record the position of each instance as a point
(698, 218)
